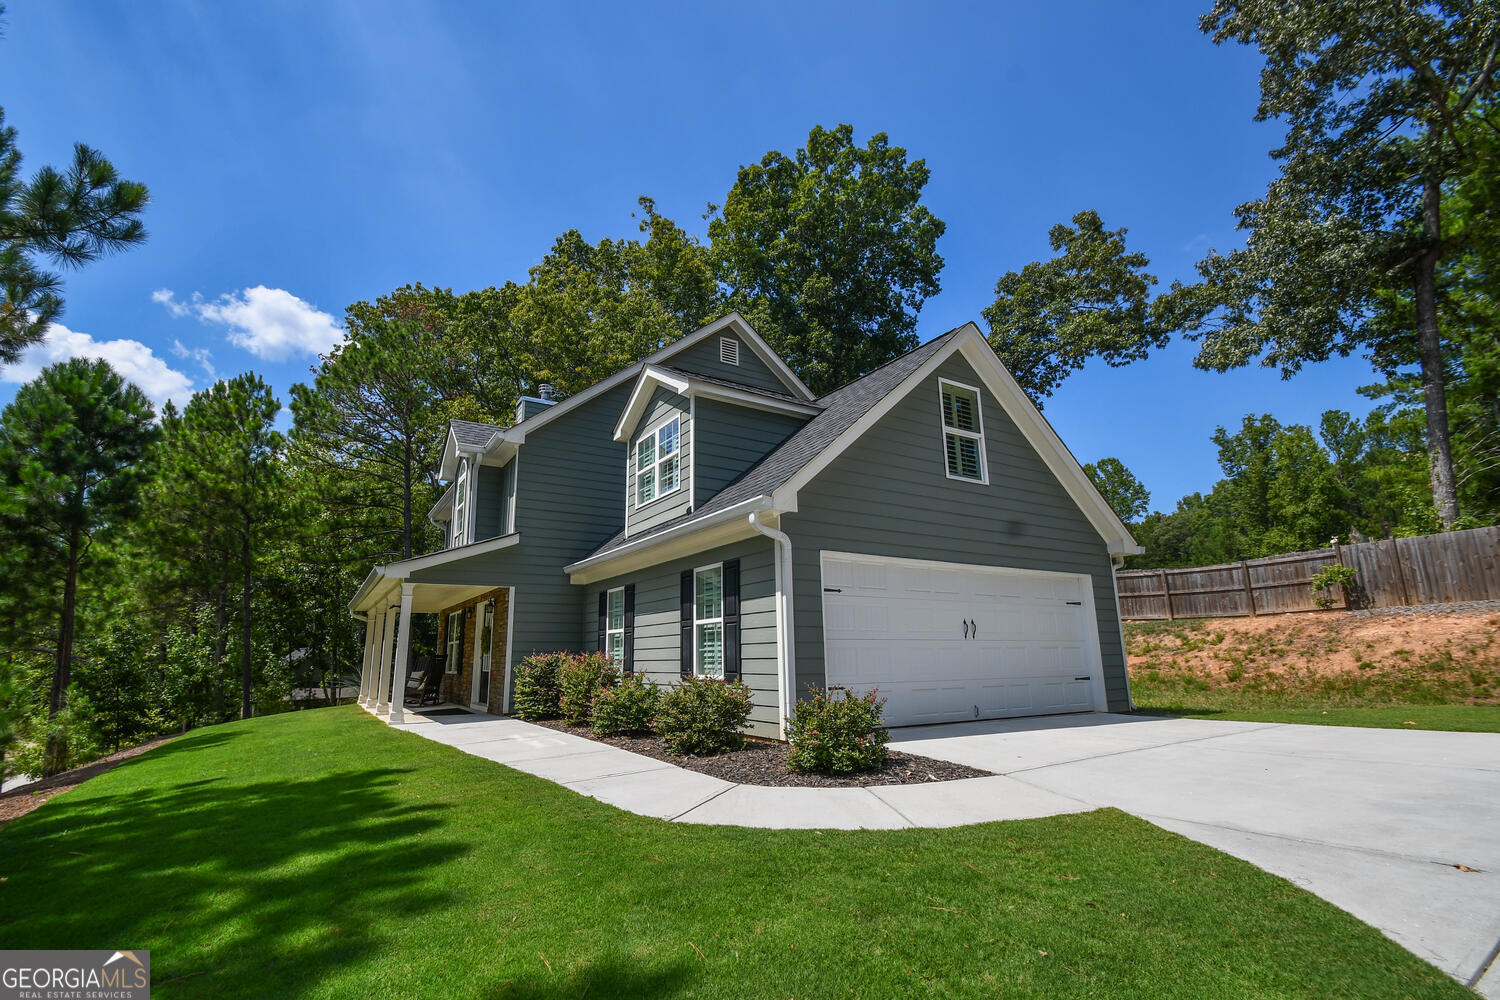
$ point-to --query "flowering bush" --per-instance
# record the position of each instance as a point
(581, 677)
(834, 732)
(627, 709)
(537, 694)
(701, 717)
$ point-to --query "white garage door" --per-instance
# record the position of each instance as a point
(946, 642)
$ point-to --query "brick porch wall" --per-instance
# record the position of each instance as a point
(458, 687)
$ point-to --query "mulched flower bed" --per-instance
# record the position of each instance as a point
(764, 763)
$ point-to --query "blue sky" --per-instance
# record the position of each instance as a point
(302, 156)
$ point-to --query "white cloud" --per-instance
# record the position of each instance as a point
(202, 355)
(270, 323)
(131, 358)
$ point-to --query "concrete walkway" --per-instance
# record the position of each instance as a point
(652, 787)
(1375, 821)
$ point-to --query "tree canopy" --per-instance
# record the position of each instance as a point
(831, 253)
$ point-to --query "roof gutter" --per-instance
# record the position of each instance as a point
(786, 687)
(694, 526)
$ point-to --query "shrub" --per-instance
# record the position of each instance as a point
(536, 695)
(701, 717)
(581, 677)
(627, 709)
(834, 732)
(1328, 578)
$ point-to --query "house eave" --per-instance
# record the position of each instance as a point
(719, 528)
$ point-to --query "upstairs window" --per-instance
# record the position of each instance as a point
(729, 351)
(963, 432)
(461, 505)
(658, 465)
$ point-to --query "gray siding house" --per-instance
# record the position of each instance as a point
(921, 530)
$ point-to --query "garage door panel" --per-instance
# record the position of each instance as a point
(899, 628)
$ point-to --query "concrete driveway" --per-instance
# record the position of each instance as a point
(1375, 821)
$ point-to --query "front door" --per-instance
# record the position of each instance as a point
(483, 649)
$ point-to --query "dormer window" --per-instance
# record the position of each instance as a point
(963, 432)
(729, 351)
(657, 463)
(461, 504)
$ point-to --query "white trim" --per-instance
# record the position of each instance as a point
(1084, 581)
(786, 646)
(984, 464)
(510, 631)
(459, 520)
(709, 621)
(686, 384)
(517, 434)
(395, 572)
(646, 384)
(474, 702)
(692, 479)
(592, 569)
(402, 667)
(608, 631)
(450, 662)
(658, 458)
(1038, 433)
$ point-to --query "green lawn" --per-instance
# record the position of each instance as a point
(322, 854)
(1452, 718)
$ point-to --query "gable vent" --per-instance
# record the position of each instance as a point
(729, 350)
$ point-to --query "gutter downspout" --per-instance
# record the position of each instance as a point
(786, 691)
(1116, 564)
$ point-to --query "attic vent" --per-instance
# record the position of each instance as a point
(729, 350)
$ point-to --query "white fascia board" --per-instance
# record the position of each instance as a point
(650, 378)
(692, 536)
(1038, 433)
(405, 567)
(753, 400)
(517, 434)
(391, 575)
(762, 350)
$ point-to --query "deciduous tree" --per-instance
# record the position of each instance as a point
(830, 252)
(1380, 102)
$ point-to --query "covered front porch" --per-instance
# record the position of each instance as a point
(466, 668)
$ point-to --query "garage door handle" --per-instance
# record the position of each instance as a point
(966, 628)
(1083, 678)
(975, 626)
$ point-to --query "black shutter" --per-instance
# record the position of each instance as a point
(629, 666)
(732, 620)
(603, 617)
(685, 667)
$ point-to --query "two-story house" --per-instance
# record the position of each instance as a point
(921, 530)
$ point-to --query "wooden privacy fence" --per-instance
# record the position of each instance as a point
(1391, 572)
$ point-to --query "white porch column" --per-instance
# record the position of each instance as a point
(383, 676)
(367, 660)
(403, 648)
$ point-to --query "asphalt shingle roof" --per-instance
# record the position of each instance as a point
(841, 408)
(472, 434)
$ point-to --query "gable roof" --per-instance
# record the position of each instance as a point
(473, 434)
(850, 411)
(688, 383)
(841, 408)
